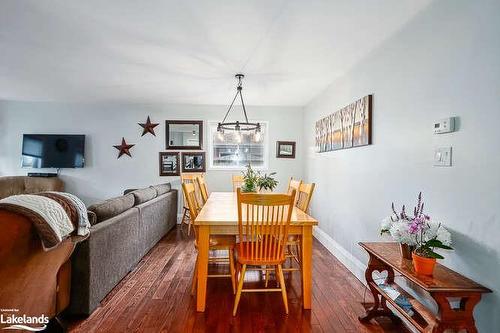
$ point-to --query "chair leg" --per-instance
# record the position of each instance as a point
(283, 288)
(276, 273)
(189, 226)
(240, 287)
(232, 270)
(267, 276)
(184, 216)
(195, 277)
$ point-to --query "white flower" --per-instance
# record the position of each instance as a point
(399, 232)
(386, 224)
(444, 236)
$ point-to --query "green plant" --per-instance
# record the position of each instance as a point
(250, 179)
(267, 182)
(253, 181)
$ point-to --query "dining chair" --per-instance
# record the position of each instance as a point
(303, 200)
(189, 178)
(202, 185)
(263, 221)
(294, 184)
(237, 182)
(216, 242)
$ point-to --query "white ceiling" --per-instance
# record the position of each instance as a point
(187, 51)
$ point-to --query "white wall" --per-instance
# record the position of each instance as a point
(104, 125)
(446, 62)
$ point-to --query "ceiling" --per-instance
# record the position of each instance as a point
(187, 51)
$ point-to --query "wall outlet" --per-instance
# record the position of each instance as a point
(442, 157)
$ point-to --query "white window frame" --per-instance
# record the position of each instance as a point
(210, 146)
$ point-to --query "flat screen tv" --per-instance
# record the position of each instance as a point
(53, 151)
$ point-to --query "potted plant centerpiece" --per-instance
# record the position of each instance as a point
(418, 236)
(253, 181)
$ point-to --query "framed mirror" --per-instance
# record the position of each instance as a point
(184, 134)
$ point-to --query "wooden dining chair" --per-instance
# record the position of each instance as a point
(216, 242)
(237, 182)
(293, 244)
(263, 221)
(202, 185)
(189, 178)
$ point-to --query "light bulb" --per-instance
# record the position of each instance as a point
(220, 135)
(257, 136)
(238, 136)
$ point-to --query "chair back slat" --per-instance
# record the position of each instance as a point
(190, 178)
(192, 203)
(202, 185)
(304, 196)
(263, 221)
(237, 181)
(294, 184)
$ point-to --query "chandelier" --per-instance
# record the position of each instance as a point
(238, 126)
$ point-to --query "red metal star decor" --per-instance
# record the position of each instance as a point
(148, 127)
(124, 148)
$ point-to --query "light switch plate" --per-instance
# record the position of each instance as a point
(442, 157)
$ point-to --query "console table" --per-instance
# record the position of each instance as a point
(444, 284)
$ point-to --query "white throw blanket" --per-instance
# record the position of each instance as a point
(49, 216)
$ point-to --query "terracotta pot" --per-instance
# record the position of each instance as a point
(422, 265)
(406, 250)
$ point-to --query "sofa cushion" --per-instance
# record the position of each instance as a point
(112, 207)
(162, 188)
(144, 194)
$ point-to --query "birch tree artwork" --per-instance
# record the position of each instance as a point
(346, 128)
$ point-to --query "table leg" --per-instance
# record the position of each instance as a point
(203, 245)
(456, 319)
(306, 266)
(379, 307)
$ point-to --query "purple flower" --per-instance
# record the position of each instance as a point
(416, 225)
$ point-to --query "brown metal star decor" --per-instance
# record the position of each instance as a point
(148, 127)
(124, 148)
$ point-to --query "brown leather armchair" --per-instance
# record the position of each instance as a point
(12, 185)
(32, 280)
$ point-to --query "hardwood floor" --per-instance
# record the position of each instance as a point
(155, 297)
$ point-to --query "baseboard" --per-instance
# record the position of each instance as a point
(354, 265)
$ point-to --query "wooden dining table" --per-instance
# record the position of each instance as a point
(219, 216)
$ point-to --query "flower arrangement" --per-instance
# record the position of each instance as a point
(253, 181)
(418, 231)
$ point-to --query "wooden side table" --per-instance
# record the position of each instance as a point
(443, 284)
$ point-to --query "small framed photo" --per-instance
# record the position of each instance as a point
(169, 164)
(193, 162)
(285, 149)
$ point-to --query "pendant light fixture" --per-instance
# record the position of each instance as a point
(238, 126)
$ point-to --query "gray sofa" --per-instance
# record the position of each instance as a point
(123, 230)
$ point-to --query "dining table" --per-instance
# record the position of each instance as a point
(219, 216)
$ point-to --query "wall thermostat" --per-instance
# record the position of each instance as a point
(445, 125)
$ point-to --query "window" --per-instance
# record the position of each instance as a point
(234, 151)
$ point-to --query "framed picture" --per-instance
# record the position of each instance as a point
(184, 134)
(348, 127)
(193, 162)
(285, 149)
(169, 164)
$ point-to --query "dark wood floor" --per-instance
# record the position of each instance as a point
(155, 297)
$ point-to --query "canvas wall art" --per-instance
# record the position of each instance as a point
(346, 128)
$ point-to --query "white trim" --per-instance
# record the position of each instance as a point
(345, 257)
